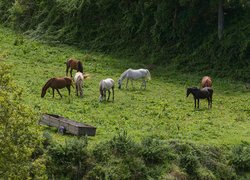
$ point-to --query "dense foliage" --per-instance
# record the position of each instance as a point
(152, 158)
(20, 136)
(180, 32)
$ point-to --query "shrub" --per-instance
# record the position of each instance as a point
(19, 133)
(240, 157)
(69, 159)
(154, 151)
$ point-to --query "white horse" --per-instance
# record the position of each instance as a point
(106, 85)
(79, 77)
(133, 74)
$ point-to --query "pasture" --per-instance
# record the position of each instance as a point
(162, 110)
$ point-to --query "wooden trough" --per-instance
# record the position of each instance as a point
(66, 125)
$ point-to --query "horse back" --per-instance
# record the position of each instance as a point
(207, 92)
(72, 63)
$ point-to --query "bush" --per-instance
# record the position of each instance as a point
(240, 157)
(20, 136)
(154, 151)
(69, 159)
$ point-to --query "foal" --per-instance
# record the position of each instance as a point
(79, 83)
(73, 64)
(57, 83)
(105, 85)
(204, 93)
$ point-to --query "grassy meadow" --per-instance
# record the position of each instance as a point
(162, 110)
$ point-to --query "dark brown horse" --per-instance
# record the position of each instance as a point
(57, 83)
(204, 93)
(73, 64)
(206, 82)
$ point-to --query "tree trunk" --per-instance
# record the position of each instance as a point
(220, 19)
(175, 15)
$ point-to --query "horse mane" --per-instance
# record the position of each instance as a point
(46, 86)
(79, 67)
(124, 73)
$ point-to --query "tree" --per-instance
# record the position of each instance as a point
(220, 19)
(19, 133)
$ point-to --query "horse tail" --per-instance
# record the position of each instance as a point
(148, 75)
(79, 66)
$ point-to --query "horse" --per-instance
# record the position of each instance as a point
(204, 93)
(73, 64)
(57, 83)
(106, 85)
(206, 82)
(79, 83)
(132, 74)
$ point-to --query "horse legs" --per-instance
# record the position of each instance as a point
(211, 102)
(104, 94)
(132, 84)
(194, 102)
(81, 91)
(53, 91)
(68, 87)
(109, 94)
(209, 99)
(71, 71)
(59, 92)
(67, 69)
(127, 84)
(76, 89)
(143, 83)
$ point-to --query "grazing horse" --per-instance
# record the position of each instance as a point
(73, 64)
(57, 83)
(204, 93)
(206, 82)
(79, 83)
(106, 85)
(132, 74)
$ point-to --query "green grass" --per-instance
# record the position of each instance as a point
(160, 111)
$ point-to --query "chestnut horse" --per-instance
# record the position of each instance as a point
(57, 83)
(206, 82)
(73, 64)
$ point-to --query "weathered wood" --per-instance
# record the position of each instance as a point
(70, 126)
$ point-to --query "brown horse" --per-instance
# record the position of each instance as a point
(57, 83)
(73, 64)
(206, 82)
